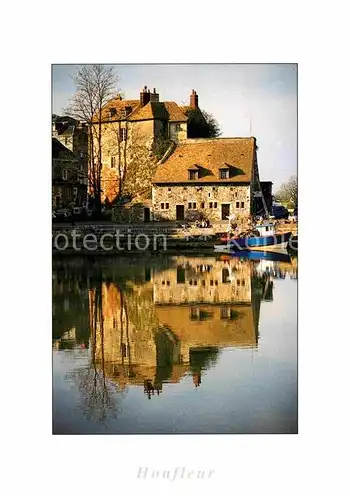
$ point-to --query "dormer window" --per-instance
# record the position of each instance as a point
(224, 172)
(113, 112)
(193, 173)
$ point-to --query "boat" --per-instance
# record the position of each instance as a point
(264, 239)
(258, 255)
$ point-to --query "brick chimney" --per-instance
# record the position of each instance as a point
(145, 96)
(154, 96)
(194, 99)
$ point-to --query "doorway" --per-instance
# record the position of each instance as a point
(180, 212)
(146, 214)
(225, 211)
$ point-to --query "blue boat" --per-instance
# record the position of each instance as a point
(266, 239)
(258, 255)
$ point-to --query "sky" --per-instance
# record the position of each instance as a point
(257, 100)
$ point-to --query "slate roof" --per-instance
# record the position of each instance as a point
(60, 152)
(209, 155)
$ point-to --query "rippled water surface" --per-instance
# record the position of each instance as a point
(178, 344)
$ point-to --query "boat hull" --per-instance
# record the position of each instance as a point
(258, 255)
(276, 241)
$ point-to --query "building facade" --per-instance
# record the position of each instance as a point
(206, 178)
(69, 162)
(69, 180)
(135, 135)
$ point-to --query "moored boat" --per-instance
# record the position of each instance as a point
(264, 237)
(278, 256)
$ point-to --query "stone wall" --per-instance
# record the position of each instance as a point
(131, 212)
(208, 200)
(178, 131)
(129, 156)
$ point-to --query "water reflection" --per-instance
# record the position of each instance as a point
(151, 324)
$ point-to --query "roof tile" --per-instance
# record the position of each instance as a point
(209, 155)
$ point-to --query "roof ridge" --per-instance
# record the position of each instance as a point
(214, 139)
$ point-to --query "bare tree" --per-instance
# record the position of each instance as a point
(118, 147)
(95, 85)
(136, 159)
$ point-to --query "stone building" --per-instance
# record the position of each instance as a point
(135, 135)
(73, 135)
(69, 162)
(69, 181)
(211, 178)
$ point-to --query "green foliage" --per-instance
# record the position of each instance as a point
(201, 124)
(288, 193)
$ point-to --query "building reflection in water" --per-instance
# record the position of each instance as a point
(174, 323)
(161, 324)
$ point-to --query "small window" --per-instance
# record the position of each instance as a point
(225, 275)
(237, 204)
(169, 189)
(194, 205)
(113, 112)
(210, 205)
(178, 127)
(162, 206)
(122, 134)
(225, 312)
(194, 313)
(64, 174)
(209, 195)
(202, 204)
(180, 275)
(190, 205)
(211, 282)
(193, 175)
(242, 204)
(224, 174)
(66, 141)
(215, 205)
(167, 206)
(112, 161)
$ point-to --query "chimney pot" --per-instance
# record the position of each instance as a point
(145, 96)
(194, 99)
